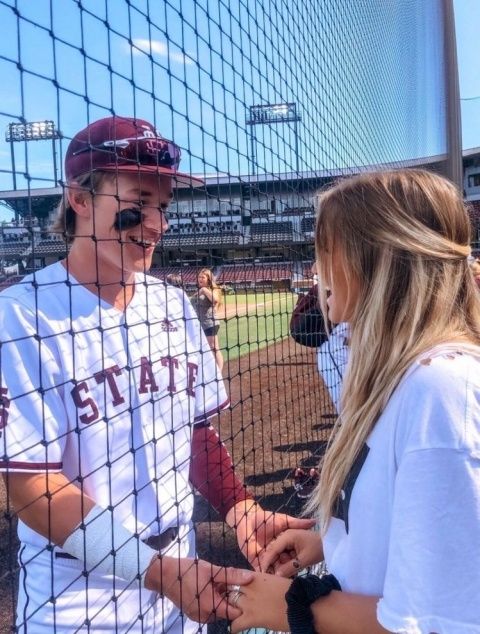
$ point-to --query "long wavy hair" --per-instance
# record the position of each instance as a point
(405, 236)
(213, 286)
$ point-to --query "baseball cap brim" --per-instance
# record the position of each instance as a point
(181, 180)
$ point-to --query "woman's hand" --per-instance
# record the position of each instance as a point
(262, 603)
(291, 551)
(256, 528)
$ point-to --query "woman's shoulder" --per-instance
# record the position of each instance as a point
(437, 403)
(447, 367)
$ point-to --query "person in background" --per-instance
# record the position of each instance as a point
(475, 268)
(207, 301)
(308, 328)
(399, 493)
(174, 280)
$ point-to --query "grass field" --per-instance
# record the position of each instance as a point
(253, 321)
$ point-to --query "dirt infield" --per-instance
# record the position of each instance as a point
(280, 417)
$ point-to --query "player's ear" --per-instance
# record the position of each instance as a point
(79, 199)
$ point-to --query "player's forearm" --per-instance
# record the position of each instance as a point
(212, 472)
(47, 503)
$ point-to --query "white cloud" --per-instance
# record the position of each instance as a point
(159, 48)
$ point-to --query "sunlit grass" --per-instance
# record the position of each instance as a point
(262, 319)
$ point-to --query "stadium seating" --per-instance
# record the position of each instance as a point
(201, 240)
(474, 211)
(188, 274)
(49, 247)
(307, 225)
(248, 273)
(8, 281)
(271, 232)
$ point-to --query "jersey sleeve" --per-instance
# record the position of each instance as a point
(432, 582)
(32, 415)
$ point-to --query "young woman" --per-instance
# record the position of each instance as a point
(207, 301)
(399, 494)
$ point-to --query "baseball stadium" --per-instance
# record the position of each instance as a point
(270, 104)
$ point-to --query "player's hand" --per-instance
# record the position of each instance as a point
(262, 604)
(196, 586)
(256, 528)
(292, 551)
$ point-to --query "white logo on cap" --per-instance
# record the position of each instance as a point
(149, 134)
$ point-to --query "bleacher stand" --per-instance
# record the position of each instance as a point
(272, 232)
(307, 225)
(201, 240)
(188, 274)
(255, 273)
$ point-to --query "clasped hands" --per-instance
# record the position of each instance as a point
(272, 542)
(260, 599)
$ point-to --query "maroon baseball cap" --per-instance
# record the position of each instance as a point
(124, 144)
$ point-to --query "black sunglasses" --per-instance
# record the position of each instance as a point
(151, 151)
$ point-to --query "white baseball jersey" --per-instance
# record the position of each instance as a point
(332, 358)
(106, 397)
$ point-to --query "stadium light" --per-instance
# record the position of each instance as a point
(267, 114)
(32, 131)
(273, 113)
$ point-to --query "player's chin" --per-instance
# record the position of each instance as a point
(141, 264)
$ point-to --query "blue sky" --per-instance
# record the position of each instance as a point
(195, 66)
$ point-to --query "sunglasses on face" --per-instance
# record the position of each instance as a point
(151, 151)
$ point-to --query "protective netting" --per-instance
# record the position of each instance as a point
(103, 375)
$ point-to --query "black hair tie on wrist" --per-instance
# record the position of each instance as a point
(299, 597)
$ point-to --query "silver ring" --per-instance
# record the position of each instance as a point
(234, 588)
(234, 597)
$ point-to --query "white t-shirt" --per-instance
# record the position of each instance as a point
(412, 503)
(106, 397)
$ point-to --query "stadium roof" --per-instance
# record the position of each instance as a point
(225, 179)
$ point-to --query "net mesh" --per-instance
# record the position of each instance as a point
(270, 101)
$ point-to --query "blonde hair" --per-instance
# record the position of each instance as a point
(216, 289)
(65, 218)
(408, 234)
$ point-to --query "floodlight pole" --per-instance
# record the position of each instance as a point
(54, 154)
(252, 154)
(14, 168)
(297, 155)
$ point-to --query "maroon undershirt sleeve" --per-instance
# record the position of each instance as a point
(212, 472)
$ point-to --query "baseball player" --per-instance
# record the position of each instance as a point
(106, 384)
